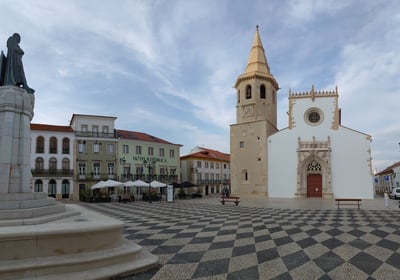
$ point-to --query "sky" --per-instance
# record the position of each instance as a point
(168, 67)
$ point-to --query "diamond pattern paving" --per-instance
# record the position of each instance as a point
(205, 241)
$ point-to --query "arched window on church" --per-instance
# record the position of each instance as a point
(248, 91)
(314, 166)
(262, 91)
(238, 96)
(245, 175)
(273, 97)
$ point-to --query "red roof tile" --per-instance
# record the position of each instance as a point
(208, 154)
(389, 169)
(48, 127)
(134, 135)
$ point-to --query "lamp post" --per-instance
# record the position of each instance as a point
(149, 165)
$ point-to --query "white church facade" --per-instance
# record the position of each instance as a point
(315, 156)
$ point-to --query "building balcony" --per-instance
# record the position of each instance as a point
(52, 172)
(94, 134)
(211, 182)
(147, 178)
(86, 177)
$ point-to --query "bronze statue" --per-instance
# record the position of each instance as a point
(11, 67)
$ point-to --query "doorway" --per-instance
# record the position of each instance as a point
(314, 185)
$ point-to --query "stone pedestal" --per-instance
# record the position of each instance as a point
(41, 238)
(84, 246)
(16, 113)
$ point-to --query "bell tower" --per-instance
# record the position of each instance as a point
(256, 119)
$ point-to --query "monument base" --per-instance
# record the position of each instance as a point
(85, 246)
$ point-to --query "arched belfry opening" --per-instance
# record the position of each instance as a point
(314, 168)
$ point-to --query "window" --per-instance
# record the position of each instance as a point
(82, 147)
(217, 165)
(238, 96)
(126, 171)
(53, 145)
(65, 189)
(171, 153)
(52, 165)
(313, 116)
(138, 150)
(248, 92)
(38, 186)
(52, 188)
(262, 92)
(110, 148)
(139, 169)
(39, 164)
(96, 170)
(199, 164)
(84, 128)
(314, 166)
(65, 146)
(162, 171)
(212, 165)
(125, 149)
(82, 168)
(95, 130)
(65, 164)
(162, 152)
(150, 151)
(273, 97)
(96, 148)
(206, 164)
(241, 144)
(105, 130)
(40, 145)
(110, 168)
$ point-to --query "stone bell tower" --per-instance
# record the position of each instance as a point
(256, 119)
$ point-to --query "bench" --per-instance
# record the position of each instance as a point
(348, 201)
(234, 199)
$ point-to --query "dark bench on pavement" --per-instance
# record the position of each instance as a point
(348, 201)
(234, 199)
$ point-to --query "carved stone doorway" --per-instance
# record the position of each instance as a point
(314, 185)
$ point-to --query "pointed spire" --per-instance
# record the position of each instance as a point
(257, 61)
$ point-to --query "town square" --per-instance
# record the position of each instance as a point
(199, 140)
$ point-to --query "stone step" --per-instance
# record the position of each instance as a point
(27, 213)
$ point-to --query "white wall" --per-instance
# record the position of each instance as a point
(282, 164)
(350, 171)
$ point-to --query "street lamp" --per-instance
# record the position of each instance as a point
(149, 165)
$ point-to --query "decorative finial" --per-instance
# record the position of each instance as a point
(257, 27)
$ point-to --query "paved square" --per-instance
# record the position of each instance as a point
(210, 241)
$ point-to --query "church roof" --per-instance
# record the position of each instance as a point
(257, 65)
(257, 61)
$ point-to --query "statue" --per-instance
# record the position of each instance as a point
(11, 68)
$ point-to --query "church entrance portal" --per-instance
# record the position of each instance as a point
(314, 185)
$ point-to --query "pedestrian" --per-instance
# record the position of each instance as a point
(386, 196)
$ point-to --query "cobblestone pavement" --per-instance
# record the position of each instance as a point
(202, 239)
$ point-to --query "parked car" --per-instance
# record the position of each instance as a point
(395, 193)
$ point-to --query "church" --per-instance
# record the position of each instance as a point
(314, 156)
